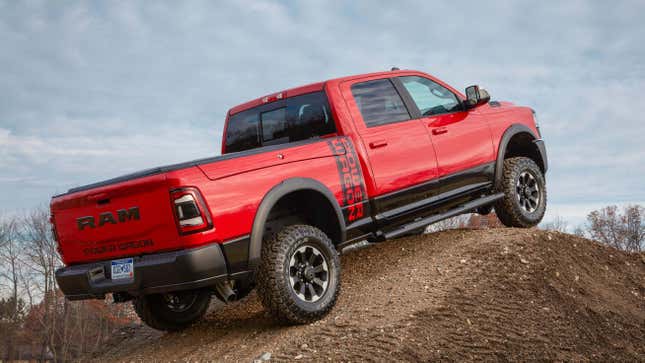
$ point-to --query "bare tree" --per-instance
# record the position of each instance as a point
(579, 231)
(624, 231)
(558, 224)
(634, 228)
(13, 307)
(9, 255)
(43, 260)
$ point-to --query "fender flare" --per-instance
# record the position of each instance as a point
(503, 144)
(270, 200)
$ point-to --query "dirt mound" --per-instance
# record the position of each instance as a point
(501, 294)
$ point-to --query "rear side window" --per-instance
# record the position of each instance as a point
(379, 102)
(297, 118)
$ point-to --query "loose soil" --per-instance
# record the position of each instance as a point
(498, 294)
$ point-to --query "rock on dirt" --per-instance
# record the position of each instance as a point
(414, 299)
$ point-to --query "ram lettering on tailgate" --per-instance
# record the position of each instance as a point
(123, 215)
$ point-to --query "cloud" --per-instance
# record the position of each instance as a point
(90, 90)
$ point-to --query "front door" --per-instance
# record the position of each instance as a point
(461, 138)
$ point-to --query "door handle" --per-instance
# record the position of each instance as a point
(439, 131)
(378, 143)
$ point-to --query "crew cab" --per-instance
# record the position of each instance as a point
(302, 174)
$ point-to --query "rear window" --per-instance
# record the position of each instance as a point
(297, 118)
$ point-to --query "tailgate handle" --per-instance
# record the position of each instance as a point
(97, 196)
(100, 198)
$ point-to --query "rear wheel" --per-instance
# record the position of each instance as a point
(524, 187)
(299, 276)
(172, 311)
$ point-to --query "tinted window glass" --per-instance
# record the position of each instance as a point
(274, 127)
(430, 97)
(301, 117)
(379, 102)
(243, 130)
(309, 116)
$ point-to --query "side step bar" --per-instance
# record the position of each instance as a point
(464, 208)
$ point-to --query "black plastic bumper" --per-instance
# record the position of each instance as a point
(162, 272)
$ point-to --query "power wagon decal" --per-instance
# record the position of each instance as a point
(351, 178)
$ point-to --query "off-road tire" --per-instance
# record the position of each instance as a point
(274, 286)
(153, 310)
(508, 209)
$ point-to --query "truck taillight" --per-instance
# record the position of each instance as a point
(190, 211)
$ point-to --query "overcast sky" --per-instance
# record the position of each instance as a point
(92, 90)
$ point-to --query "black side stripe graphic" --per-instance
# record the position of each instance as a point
(351, 177)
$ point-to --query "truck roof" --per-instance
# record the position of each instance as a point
(312, 87)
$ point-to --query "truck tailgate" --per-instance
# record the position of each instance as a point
(112, 221)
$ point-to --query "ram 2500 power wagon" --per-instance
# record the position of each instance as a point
(303, 173)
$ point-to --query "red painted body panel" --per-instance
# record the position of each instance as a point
(234, 200)
(499, 119)
(233, 188)
(462, 140)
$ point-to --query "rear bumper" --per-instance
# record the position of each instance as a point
(157, 273)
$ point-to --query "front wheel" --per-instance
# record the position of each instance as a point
(299, 276)
(524, 187)
(172, 311)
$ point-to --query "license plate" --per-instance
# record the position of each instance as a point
(122, 269)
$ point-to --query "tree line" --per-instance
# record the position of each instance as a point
(621, 228)
(36, 321)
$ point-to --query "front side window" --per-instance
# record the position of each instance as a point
(430, 97)
(296, 118)
(379, 102)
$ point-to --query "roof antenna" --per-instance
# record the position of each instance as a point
(394, 69)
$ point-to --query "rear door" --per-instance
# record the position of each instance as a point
(400, 152)
(461, 138)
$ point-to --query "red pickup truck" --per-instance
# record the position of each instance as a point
(303, 173)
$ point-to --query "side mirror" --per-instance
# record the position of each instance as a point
(476, 96)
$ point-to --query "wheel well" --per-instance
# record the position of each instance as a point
(304, 207)
(521, 144)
